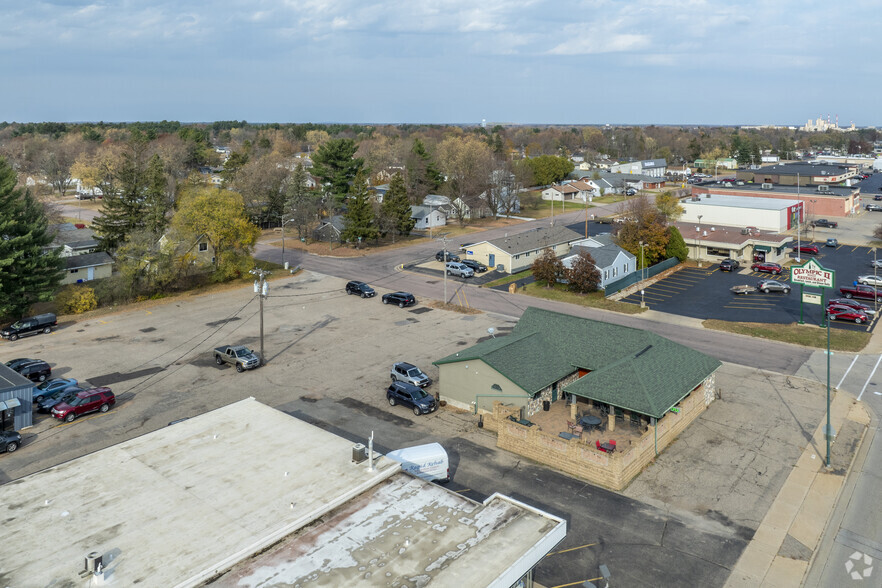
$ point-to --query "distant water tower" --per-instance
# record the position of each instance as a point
(483, 123)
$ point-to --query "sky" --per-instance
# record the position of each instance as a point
(442, 61)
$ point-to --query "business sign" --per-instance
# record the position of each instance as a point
(811, 298)
(812, 274)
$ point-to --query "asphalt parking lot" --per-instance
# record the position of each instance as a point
(704, 292)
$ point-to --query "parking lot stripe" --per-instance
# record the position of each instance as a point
(846, 371)
(870, 377)
(668, 288)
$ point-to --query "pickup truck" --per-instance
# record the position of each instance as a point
(238, 355)
(822, 222)
(861, 291)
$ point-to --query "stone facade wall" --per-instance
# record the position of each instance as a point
(577, 458)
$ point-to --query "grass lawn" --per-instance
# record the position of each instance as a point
(543, 208)
(594, 299)
(508, 279)
(807, 335)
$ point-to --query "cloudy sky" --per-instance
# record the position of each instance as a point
(441, 61)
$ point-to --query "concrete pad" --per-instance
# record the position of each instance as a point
(785, 573)
(818, 504)
(754, 562)
(858, 413)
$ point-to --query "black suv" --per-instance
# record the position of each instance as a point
(728, 265)
(402, 299)
(9, 441)
(475, 265)
(450, 256)
(419, 399)
(36, 371)
(822, 222)
(360, 288)
(42, 323)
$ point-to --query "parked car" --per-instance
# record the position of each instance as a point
(870, 280)
(876, 263)
(454, 268)
(402, 299)
(47, 402)
(630, 192)
(407, 372)
(16, 363)
(767, 267)
(729, 265)
(852, 304)
(861, 291)
(767, 286)
(53, 385)
(806, 248)
(93, 400)
(450, 256)
(845, 313)
(477, 266)
(35, 371)
(832, 243)
(9, 441)
(414, 396)
(877, 197)
(874, 207)
(42, 323)
(822, 222)
(237, 355)
(361, 289)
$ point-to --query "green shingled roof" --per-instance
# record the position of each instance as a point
(629, 368)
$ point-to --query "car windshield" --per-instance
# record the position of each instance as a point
(414, 372)
(419, 394)
(244, 352)
(17, 325)
(46, 384)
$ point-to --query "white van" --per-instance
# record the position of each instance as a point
(428, 462)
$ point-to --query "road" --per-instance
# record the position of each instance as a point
(383, 270)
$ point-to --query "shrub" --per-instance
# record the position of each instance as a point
(76, 300)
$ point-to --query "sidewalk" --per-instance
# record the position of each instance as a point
(779, 554)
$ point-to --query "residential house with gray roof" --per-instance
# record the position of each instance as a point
(611, 261)
(427, 217)
(514, 253)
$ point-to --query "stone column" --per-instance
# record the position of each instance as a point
(611, 419)
(573, 411)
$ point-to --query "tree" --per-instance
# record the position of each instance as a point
(261, 182)
(467, 162)
(235, 162)
(548, 169)
(548, 268)
(301, 204)
(643, 222)
(422, 176)
(57, 169)
(124, 208)
(220, 216)
(335, 163)
(676, 245)
(395, 212)
(359, 217)
(669, 205)
(157, 201)
(584, 276)
(27, 273)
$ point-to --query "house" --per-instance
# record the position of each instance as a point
(648, 167)
(613, 262)
(517, 252)
(329, 229)
(87, 267)
(287, 503)
(71, 240)
(722, 163)
(573, 190)
(198, 251)
(427, 217)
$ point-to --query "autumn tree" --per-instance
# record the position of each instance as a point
(669, 205)
(359, 217)
(643, 222)
(548, 268)
(335, 163)
(261, 182)
(28, 273)
(123, 209)
(220, 216)
(548, 169)
(235, 162)
(583, 276)
(467, 162)
(395, 213)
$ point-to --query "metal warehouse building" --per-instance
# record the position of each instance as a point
(16, 395)
(765, 214)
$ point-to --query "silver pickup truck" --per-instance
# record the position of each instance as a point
(238, 355)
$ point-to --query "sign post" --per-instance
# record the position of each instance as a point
(811, 273)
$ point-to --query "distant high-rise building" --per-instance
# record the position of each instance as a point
(819, 125)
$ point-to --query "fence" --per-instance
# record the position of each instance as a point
(638, 275)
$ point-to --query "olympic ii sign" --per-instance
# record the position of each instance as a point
(811, 273)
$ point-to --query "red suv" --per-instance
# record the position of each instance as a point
(767, 267)
(95, 399)
(807, 248)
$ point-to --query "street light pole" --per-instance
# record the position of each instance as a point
(260, 288)
(798, 226)
(698, 247)
(642, 263)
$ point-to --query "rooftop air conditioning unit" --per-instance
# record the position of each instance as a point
(704, 233)
(359, 453)
(767, 186)
(713, 229)
(823, 188)
(745, 231)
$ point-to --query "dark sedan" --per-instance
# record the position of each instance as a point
(53, 385)
(729, 265)
(402, 299)
(9, 441)
(476, 266)
(767, 286)
(47, 401)
(767, 267)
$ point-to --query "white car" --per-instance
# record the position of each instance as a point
(870, 280)
(876, 263)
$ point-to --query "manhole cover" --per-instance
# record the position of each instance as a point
(421, 310)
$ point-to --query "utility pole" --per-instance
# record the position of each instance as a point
(443, 239)
(261, 289)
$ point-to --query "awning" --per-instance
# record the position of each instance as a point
(765, 248)
(11, 403)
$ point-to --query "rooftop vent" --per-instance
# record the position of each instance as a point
(767, 186)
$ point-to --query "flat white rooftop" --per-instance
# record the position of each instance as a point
(182, 504)
(726, 200)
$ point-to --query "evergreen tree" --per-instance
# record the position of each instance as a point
(156, 199)
(123, 209)
(423, 176)
(359, 217)
(301, 203)
(335, 163)
(676, 246)
(395, 213)
(27, 273)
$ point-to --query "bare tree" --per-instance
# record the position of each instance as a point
(467, 162)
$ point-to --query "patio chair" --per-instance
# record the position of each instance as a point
(571, 425)
(597, 444)
(613, 443)
(577, 430)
